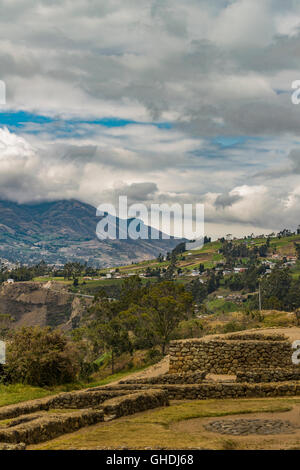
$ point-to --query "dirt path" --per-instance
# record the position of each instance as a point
(161, 367)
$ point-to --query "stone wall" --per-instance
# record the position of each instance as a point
(5, 446)
(48, 427)
(140, 401)
(227, 356)
(81, 399)
(35, 428)
(220, 390)
(255, 336)
(188, 378)
(268, 375)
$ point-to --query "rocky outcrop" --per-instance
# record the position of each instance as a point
(35, 303)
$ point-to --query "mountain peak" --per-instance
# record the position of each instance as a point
(65, 230)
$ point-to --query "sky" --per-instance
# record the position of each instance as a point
(164, 101)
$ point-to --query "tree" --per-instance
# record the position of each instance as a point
(211, 283)
(235, 282)
(201, 268)
(250, 278)
(41, 357)
(198, 290)
(160, 310)
(293, 298)
(115, 337)
(171, 268)
(131, 292)
(297, 248)
(276, 285)
(298, 317)
(108, 331)
(180, 248)
(263, 250)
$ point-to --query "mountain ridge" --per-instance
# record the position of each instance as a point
(65, 230)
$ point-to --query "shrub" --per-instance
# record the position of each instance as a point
(39, 356)
(233, 326)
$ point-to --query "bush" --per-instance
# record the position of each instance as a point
(233, 326)
(39, 356)
(153, 355)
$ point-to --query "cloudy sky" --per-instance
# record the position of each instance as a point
(159, 100)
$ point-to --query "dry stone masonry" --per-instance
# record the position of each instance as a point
(188, 378)
(220, 356)
(244, 427)
(268, 375)
(209, 390)
(140, 401)
(255, 336)
(36, 427)
(48, 427)
(73, 400)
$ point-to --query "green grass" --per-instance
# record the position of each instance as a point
(17, 393)
(162, 427)
(221, 305)
(11, 394)
(52, 278)
(277, 319)
(212, 408)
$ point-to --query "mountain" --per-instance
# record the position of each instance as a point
(62, 231)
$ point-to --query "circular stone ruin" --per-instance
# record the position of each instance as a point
(243, 427)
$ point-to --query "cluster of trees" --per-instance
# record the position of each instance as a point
(247, 280)
(236, 251)
(201, 289)
(280, 291)
(143, 317)
(24, 273)
(71, 270)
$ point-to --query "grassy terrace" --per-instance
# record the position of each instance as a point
(16, 393)
(179, 426)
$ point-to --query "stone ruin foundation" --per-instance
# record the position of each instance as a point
(227, 356)
(245, 427)
(256, 365)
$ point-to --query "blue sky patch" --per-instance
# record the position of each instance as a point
(21, 119)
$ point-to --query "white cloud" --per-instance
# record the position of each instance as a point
(211, 68)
